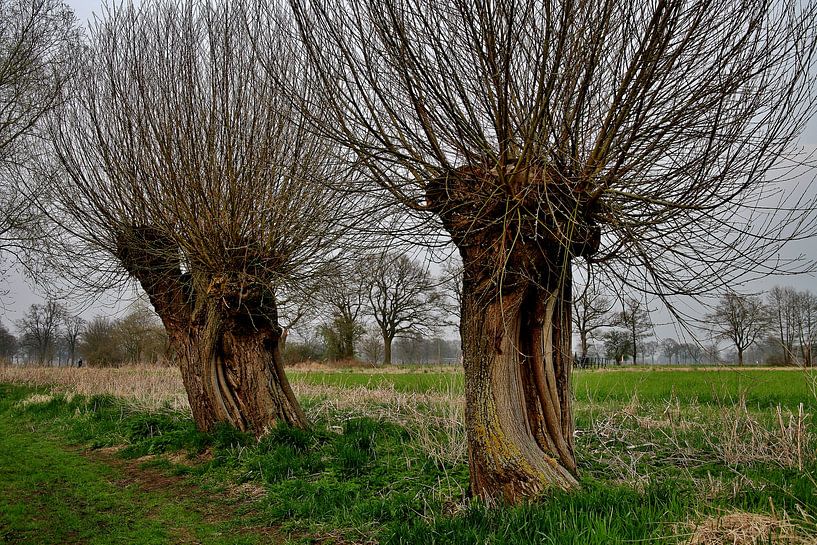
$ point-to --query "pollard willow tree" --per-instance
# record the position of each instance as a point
(187, 169)
(628, 135)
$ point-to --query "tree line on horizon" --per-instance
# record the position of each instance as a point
(384, 307)
(778, 327)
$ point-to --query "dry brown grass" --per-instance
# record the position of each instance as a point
(633, 439)
(744, 439)
(740, 528)
(147, 387)
(434, 420)
(347, 364)
(357, 366)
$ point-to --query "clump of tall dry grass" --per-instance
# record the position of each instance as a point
(357, 366)
(741, 528)
(745, 439)
(146, 387)
(434, 420)
(633, 438)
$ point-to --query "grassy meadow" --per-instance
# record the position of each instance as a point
(692, 456)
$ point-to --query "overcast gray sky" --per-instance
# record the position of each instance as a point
(20, 295)
(84, 9)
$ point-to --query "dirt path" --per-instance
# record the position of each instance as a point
(50, 494)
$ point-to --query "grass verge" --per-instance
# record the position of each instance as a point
(382, 466)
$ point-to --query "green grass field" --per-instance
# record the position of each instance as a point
(761, 388)
(670, 456)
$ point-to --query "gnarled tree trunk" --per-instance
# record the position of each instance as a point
(224, 330)
(516, 239)
(233, 372)
(516, 354)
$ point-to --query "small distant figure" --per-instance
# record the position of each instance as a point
(79, 363)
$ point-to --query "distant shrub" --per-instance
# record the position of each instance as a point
(296, 352)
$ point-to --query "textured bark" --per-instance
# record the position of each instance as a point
(224, 330)
(516, 324)
(234, 373)
(518, 400)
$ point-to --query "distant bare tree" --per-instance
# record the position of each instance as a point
(635, 319)
(591, 310)
(371, 346)
(805, 304)
(73, 327)
(640, 137)
(740, 319)
(98, 343)
(403, 298)
(140, 334)
(713, 353)
(296, 308)
(187, 169)
(782, 308)
(8, 344)
(344, 296)
(691, 352)
(38, 40)
(670, 348)
(452, 285)
(39, 329)
(617, 345)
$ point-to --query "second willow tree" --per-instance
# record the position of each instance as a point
(186, 168)
(639, 136)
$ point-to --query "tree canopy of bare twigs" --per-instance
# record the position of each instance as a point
(343, 299)
(635, 319)
(782, 309)
(792, 320)
(807, 326)
(188, 170)
(98, 343)
(38, 41)
(73, 328)
(618, 345)
(8, 344)
(40, 329)
(649, 139)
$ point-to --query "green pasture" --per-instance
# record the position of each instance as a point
(760, 388)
